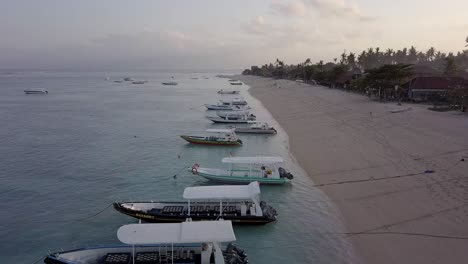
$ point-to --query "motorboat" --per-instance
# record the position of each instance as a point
(128, 79)
(240, 204)
(139, 82)
(236, 83)
(221, 137)
(226, 106)
(232, 117)
(236, 113)
(169, 83)
(256, 127)
(265, 170)
(36, 92)
(228, 91)
(188, 243)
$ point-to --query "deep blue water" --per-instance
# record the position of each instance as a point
(67, 155)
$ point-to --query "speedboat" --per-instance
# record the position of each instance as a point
(256, 127)
(228, 92)
(232, 117)
(265, 170)
(188, 242)
(169, 83)
(36, 92)
(139, 82)
(240, 204)
(220, 137)
(226, 106)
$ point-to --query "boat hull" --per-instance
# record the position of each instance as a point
(242, 180)
(211, 142)
(179, 218)
(255, 131)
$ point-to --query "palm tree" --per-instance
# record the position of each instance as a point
(466, 40)
(430, 53)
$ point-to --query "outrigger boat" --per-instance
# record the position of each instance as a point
(226, 106)
(188, 243)
(265, 170)
(256, 127)
(239, 204)
(228, 92)
(36, 92)
(221, 137)
(232, 117)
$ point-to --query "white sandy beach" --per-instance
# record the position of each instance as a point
(338, 136)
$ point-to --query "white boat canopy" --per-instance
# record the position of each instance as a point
(253, 160)
(186, 232)
(223, 192)
(219, 131)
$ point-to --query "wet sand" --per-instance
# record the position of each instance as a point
(419, 214)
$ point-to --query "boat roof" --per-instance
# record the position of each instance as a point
(223, 192)
(186, 232)
(253, 160)
(219, 131)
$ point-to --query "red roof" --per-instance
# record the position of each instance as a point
(436, 83)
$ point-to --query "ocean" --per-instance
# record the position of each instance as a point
(66, 156)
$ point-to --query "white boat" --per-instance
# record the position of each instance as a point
(232, 117)
(224, 137)
(228, 91)
(240, 204)
(226, 106)
(188, 242)
(236, 113)
(265, 170)
(256, 127)
(169, 83)
(36, 92)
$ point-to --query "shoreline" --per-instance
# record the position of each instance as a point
(343, 137)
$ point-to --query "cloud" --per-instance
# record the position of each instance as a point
(289, 9)
(258, 26)
(339, 8)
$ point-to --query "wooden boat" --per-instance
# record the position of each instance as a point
(265, 170)
(228, 92)
(256, 127)
(36, 92)
(232, 117)
(188, 243)
(239, 204)
(221, 137)
(169, 83)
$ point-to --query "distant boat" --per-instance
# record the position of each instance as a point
(228, 92)
(139, 82)
(187, 242)
(239, 204)
(36, 92)
(256, 128)
(236, 83)
(194, 78)
(169, 83)
(232, 80)
(119, 81)
(221, 137)
(128, 79)
(265, 170)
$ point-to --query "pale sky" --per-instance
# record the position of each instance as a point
(209, 34)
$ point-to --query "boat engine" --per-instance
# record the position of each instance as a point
(284, 174)
(235, 255)
(268, 211)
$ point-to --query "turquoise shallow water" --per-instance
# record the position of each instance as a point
(67, 155)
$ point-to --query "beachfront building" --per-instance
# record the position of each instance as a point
(433, 88)
(344, 81)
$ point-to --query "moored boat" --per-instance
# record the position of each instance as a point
(256, 127)
(139, 82)
(128, 79)
(188, 242)
(228, 91)
(236, 83)
(232, 117)
(36, 92)
(239, 204)
(221, 137)
(169, 83)
(265, 170)
(226, 106)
